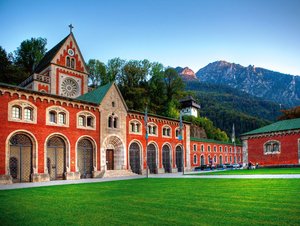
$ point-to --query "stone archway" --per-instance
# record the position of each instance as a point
(85, 159)
(134, 157)
(114, 153)
(56, 158)
(166, 160)
(20, 158)
(179, 158)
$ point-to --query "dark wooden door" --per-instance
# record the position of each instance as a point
(110, 159)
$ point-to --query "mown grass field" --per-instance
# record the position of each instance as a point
(156, 202)
(253, 171)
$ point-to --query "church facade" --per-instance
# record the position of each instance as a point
(52, 128)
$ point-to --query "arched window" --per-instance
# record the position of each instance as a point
(195, 147)
(195, 159)
(272, 147)
(28, 113)
(215, 159)
(215, 149)
(16, 112)
(110, 121)
(115, 122)
(230, 150)
(57, 116)
(220, 148)
(22, 110)
(208, 148)
(202, 148)
(226, 150)
(68, 64)
(73, 63)
(152, 129)
(135, 127)
(166, 131)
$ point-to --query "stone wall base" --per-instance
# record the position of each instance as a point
(5, 179)
(72, 175)
(98, 174)
(40, 177)
(174, 170)
(160, 170)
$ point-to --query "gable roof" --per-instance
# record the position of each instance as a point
(290, 124)
(96, 96)
(45, 61)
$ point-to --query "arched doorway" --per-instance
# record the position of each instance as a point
(56, 158)
(135, 159)
(220, 160)
(151, 158)
(202, 160)
(166, 158)
(20, 159)
(179, 158)
(114, 152)
(85, 158)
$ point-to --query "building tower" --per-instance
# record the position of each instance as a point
(189, 106)
(62, 71)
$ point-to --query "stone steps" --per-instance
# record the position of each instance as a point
(118, 173)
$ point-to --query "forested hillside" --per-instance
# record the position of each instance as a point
(225, 106)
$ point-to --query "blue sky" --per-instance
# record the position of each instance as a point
(264, 33)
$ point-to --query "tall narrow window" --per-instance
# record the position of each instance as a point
(73, 63)
(89, 122)
(115, 122)
(61, 118)
(68, 62)
(16, 112)
(81, 121)
(110, 121)
(52, 116)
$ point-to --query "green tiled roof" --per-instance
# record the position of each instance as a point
(45, 61)
(212, 141)
(290, 124)
(96, 96)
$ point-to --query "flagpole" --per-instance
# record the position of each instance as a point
(146, 137)
(233, 141)
(181, 139)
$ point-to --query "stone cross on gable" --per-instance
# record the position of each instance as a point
(71, 27)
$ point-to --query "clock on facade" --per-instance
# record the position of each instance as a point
(71, 52)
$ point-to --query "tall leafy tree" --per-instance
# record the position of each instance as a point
(29, 53)
(9, 73)
(97, 73)
(114, 68)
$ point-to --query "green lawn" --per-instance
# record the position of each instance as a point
(253, 171)
(156, 202)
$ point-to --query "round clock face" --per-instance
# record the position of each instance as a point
(69, 87)
(71, 52)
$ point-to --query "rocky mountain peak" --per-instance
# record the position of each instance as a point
(186, 73)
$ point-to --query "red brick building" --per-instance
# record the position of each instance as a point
(52, 128)
(275, 144)
(207, 151)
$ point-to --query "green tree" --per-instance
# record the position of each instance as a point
(174, 84)
(9, 73)
(114, 68)
(157, 89)
(132, 83)
(29, 54)
(97, 73)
